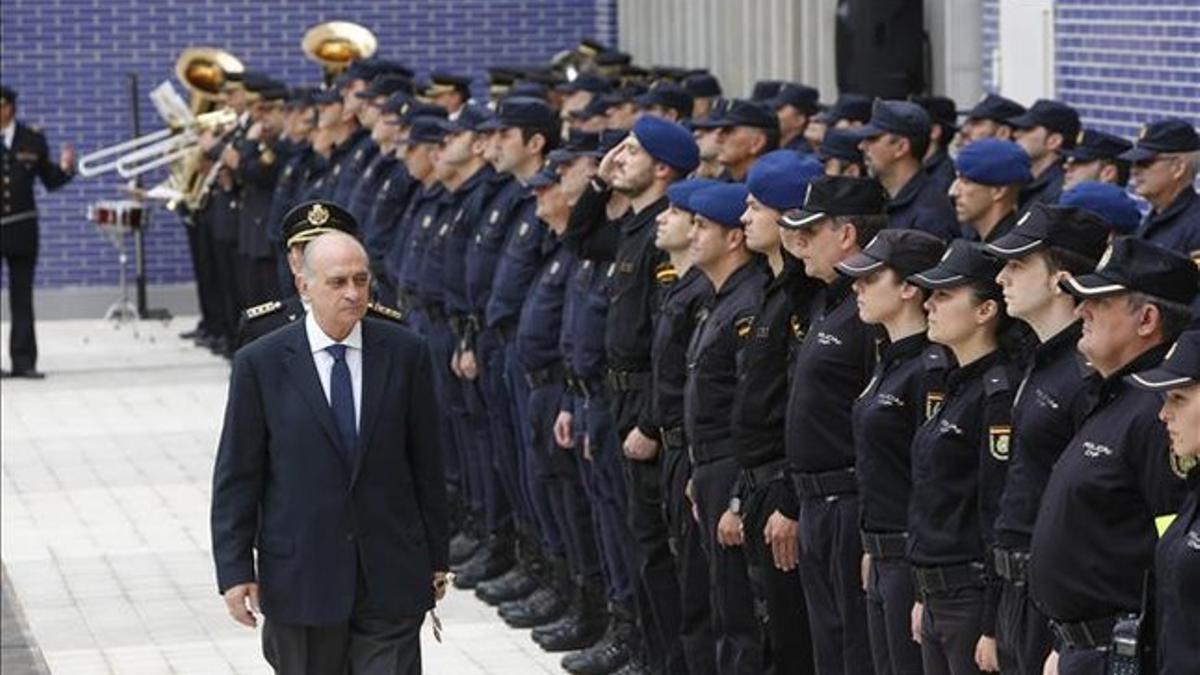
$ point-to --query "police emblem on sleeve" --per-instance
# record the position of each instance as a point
(933, 403)
(744, 326)
(1000, 441)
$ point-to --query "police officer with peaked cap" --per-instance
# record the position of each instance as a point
(943, 116)
(794, 105)
(1094, 537)
(1166, 158)
(749, 130)
(841, 155)
(1096, 157)
(1045, 131)
(989, 118)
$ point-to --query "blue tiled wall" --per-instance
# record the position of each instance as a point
(68, 60)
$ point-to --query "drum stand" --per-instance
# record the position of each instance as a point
(123, 310)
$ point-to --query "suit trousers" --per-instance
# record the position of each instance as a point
(22, 343)
(367, 644)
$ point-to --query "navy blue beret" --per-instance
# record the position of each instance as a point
(780, 179)
(723, 204)
(668, 143)
(679, 194)
(1106, 200)
(992, 161)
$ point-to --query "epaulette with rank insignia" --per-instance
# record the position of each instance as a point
(666, 274)
(385, 312)
(263, 309)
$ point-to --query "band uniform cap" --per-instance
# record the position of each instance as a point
(1110, 202)
(779, 179)
(309, 220)
(840, 144)
(903, 118)
(907, 251)
(679, 193)
(992, 161)
(964, 262)
(1180, 368)
(996, 108)
(667, 142)
(829, 196)
(1066, 227)
(1169, 135)
(1135, 265)
(723, 204)
(1091, 145)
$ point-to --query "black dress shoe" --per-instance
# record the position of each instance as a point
(542, 607)
(512, 585)
(27, 374)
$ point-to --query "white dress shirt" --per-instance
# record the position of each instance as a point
(10, 134)
(318, 341)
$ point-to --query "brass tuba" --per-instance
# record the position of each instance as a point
(336, 44)
(204, 71)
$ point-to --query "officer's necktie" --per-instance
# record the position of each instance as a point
(341, 399)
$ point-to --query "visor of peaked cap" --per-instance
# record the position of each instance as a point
(1067, 227)
(905, 251)
(963, 263)
(1091, 144)
(828, 196)
(996, 108)
(1180, 368)
(1134, 265)
(903, 118)
(1168, 135)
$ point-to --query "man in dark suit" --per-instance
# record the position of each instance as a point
(330, 469)
(24, 158)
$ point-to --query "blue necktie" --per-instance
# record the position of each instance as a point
(341, 399)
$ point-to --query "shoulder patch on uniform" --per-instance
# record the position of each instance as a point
(995, 381)
(666, 274)
(263, 309)
(385, 312)
(744, 326)
(1000, 441)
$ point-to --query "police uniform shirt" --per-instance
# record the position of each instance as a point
(523, 256)
(583, 334)
(483, 250)
(382, 225)
(348, 171)
(940, 170)
(959, 458)
(682, 301)
(635, 295)
(409, 250)
(362, 196)
(1095, 532)
(293, 172)
(23, 161)
(257, 172)
(724, 327)
(1046, 188)
(1176, 227)
(885, 418)
(465, 222)
(1049, 405)
(1177, 572)
(923, 205)
(539, 328)
(760, 403)
(829, 371)
(429, 289)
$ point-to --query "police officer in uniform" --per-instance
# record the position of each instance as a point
(24, 158)
(794, 106)
(1094, 537)
(1165, 159)
(1177, 556)
(1045, 131)
(1096, 157)
(840, 154)
(776, 184)
(749, 130)
(990, 119)
(894, 143)
(1051, 243)
(830, 368)
(943, 115)
(987, 188)
(886, 416)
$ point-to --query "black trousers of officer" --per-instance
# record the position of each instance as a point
(22, 342)
(1023, 634)
(890, 598)
(950, 628)
(658, 595)
(830, 574)
(738, 637)
(778, 599)
(367, 644)
(695, 628)
(225, 287)
(201, 255)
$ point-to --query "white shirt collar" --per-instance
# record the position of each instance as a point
(318, 340)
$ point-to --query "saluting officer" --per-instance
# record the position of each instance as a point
(830, 368)
(1177, 556)
(1166, 158)
(1050, 243)
(1093, 541)
(24, 157)
(886, 416)
(776, 184)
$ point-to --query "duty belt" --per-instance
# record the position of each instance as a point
(1012, 566)
(673, 438)
(825, 484)
(759, 476)
(1090, 634)
(703, 453)
(18, 217)
(627, 380)
(884, 545)
(544, 377)
(948, 578)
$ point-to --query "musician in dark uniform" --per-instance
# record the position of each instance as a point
(24, 157)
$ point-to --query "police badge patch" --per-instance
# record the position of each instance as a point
(1000, 441)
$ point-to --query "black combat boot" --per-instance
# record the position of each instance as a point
(494, 558)
(521, 580)
(585, 628)
(546, 604)
(612, 652)
(466, 541)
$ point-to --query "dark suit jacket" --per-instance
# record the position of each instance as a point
(26, 162)
(282, 484)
